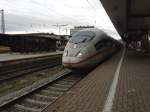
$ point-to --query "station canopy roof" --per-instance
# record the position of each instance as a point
(128, 16)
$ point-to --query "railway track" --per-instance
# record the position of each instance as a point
(40, 98)
(11, 71)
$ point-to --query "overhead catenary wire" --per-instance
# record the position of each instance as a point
(94, 10)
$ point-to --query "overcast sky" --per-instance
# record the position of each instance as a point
(42, 15)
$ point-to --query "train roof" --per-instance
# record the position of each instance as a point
(96, 30)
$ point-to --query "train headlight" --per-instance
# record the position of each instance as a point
(75, 46)
(79, 54)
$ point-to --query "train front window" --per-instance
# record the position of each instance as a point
(83, 36)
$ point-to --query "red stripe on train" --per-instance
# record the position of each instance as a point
(84, 59)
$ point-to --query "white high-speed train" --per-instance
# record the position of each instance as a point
(88, 47)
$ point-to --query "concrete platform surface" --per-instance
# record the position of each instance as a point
(90, 93)
(16, 56)
(133, 91)
(101, 91)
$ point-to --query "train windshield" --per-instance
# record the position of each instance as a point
(83, 36)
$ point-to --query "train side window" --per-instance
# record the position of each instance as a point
(100, 44)
(109, 43)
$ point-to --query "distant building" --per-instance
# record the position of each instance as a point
(30, 42)
(33, 42)
(78, 28)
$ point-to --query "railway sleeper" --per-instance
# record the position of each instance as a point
(42, 98)
(62, 85)
(22, 108)
(58, 89)
(30, 105)
(66, 82)
(35, 103)
(53, 92)
(69, 80)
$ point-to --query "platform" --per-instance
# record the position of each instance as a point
(111, 87)
(18, 56)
